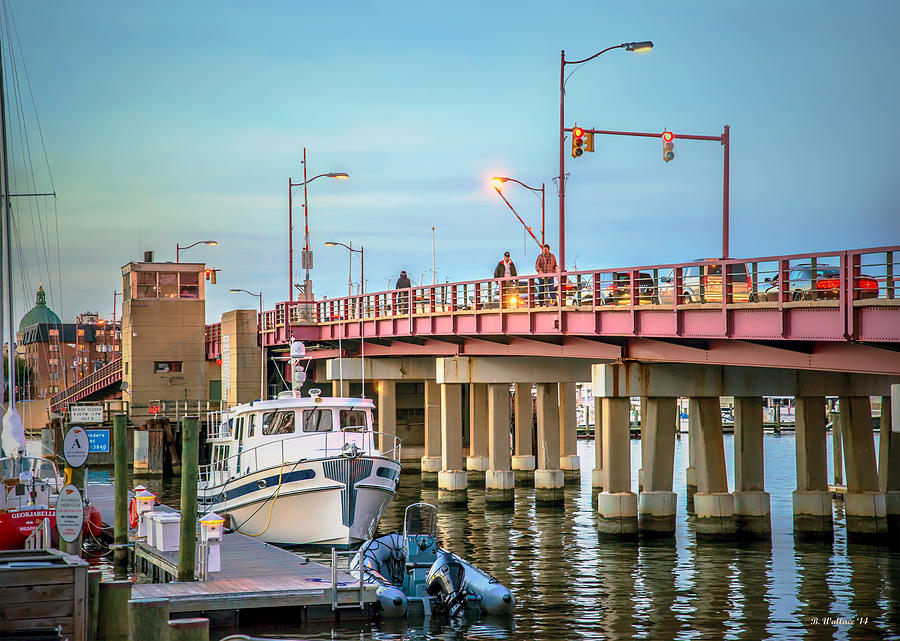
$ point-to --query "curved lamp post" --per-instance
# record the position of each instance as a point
(340, 175)
(262, 347)
(628, 46)
(497, 182)
(179, 248)
(362, 266)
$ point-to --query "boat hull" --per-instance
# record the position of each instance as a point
(328, 502)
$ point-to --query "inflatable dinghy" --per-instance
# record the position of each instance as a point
(415, 575)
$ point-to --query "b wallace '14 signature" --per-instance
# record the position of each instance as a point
(839, 620)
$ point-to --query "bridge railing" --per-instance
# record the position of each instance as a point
(830, 279)
(108, 373)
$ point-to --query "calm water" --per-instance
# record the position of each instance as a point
(570, 585)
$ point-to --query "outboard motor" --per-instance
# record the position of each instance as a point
(447, 578)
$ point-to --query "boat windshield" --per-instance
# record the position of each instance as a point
(420, 518)
(353, 420)
(33, 467)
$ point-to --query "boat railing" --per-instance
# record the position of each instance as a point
(32, 467)
(39, 539)
(218, 424)
(348, 442)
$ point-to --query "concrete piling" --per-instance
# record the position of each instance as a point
(452, 477)
(597, 472)
(190, 441)
(548, 477)
(751, 501)
(889, 460)
(812, 500)
(617, 504)
(499, 479)
(864, 503)
(477, 461)
(523, 461)
(713, 503)
(657, 501)
(431, 459)
(569, 462)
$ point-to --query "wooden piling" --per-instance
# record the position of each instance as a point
(120, 523)
(189, 629)
(112, 617)
(94, 577)
(148, 619)
(190, 437)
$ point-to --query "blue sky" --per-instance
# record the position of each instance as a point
(170, 122)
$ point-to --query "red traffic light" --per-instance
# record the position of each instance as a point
(577, 132)
(668, 136)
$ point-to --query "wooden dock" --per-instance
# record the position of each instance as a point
(254, 575)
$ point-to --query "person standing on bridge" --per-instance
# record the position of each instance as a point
(546, 264)
(506, 268)
(402, 298)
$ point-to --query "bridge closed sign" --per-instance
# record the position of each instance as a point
(85, 413)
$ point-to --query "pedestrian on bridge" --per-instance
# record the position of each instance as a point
(402, 298)
(506, 269)
(546, 264)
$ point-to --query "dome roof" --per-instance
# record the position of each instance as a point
(40, 314)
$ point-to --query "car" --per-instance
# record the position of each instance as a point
(820, 283)
(703, 284)
(619, 291)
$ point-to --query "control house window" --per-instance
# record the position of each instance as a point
(166, 367)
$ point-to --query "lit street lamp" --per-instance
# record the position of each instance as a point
(628, 46)
(497, 182)
(307, 256)
(179, 248)
(262, 346)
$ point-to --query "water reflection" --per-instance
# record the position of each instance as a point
(570, 585)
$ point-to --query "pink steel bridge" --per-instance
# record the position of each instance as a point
(832, 311)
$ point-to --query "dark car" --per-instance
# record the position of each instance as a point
(619, 291)
(821, 283)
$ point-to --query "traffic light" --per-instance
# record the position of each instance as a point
(577, 141)
(668, 146)
(211, 276)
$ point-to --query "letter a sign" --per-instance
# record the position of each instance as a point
(76, 446)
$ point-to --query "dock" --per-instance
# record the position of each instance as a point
(254, 574)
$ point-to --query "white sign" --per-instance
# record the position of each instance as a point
(85, 413)
(69, 513)
(226, 365)
(76, 446)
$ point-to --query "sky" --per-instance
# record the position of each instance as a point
(172, 122)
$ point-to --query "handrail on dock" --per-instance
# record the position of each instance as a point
(335, 555)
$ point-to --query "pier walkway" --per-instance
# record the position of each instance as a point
(254, 574)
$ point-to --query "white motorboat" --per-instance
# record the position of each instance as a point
(300, 470)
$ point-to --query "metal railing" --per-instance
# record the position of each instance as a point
(39, 539)
(336, 443)
(336, 583)
(107, 374)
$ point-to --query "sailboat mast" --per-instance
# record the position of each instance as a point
(7, 245)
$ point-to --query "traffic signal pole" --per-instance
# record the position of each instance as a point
(724, 140)
(562, 160)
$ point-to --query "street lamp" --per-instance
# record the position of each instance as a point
(497, 182)
(178, 247)
(262, 345)
(645, 45)
(362, 266)
(307, 257)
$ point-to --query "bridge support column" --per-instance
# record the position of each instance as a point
(568, 434)
(597, 472)
(523, 462)
(477, 461)
(499, 480)
(657, 501)
(889, 460)
(340, 388)
(812, 500)
(751, 501)
(431, 461)
(713, 504)
(387, 410)
(452, 477)
(548, 477)
(690, 474)
(617, 504)
(864, 504)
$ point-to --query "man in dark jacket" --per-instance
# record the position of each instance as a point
(506, 269)
(402, 297)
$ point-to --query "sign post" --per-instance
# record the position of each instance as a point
(70, 516)
(76, 447)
